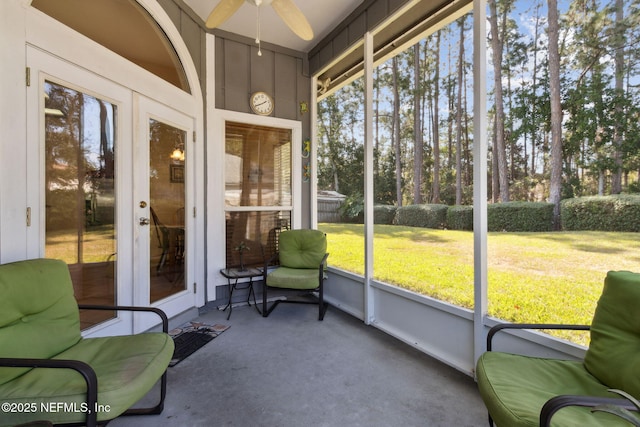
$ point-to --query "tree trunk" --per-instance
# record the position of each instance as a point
(495, 182)
(499, 148)
(555, 189)
(417, 129)
(616, 176)
(435, 125)
(396, 132)
(534, 91)
(459, 118)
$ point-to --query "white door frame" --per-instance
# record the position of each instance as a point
(144, 110)
(216, 188)
(45, 67)
(50, 36)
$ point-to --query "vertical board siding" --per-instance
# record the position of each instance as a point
(240, 72)
(219, 72)
(237, 82)
(262, 73)
(285, 88)
(194, 39)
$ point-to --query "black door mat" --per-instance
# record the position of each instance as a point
(192, 336)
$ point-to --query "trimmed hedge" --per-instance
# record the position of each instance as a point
(460, 218)
(601, 213)
(427, 216)
(520, 216)
(384, 214)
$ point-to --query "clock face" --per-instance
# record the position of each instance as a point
(261, 103)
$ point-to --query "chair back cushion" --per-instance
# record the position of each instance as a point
(39, 315)
(614, 352)
(302, 248)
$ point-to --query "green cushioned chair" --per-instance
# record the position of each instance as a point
(520, 391)
(40, 329)
(301, 259)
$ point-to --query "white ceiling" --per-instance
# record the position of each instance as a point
(323, 15)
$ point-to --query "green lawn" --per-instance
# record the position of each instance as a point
(533, 277)
(98, 243)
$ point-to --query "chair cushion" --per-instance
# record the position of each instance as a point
(514, 389)
(302, 248)
(294, 278)
(127, 368)
(39, 315)
(614, 352)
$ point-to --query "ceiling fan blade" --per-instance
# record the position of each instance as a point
(293, 17)
(222, 12)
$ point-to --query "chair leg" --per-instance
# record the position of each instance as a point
(265, 313)
(155, 409)
(322, 305)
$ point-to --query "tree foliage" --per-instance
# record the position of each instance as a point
(423, 110)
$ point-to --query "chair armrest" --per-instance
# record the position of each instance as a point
(322, 267)
(323, 263)
(267, 263)
(160, 313)
(558, 402)
(83, 368)
(270, 261)
(497, 328)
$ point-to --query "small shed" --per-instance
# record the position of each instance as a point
(329, 203)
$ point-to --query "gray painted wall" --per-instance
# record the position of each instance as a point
(239, 71)
(279, 72)
(365, 18)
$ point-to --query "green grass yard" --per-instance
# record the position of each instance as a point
(553, 277)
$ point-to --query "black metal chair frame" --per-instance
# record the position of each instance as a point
(89, 374)
(322, 305)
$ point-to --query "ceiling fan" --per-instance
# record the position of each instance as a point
(286, 9)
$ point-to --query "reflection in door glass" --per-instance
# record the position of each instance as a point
(167, 196)
(80, 193)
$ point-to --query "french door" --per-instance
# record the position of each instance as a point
(108, 194)
(160, 201)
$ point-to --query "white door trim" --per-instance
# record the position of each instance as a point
(144, 110)
(46, 34)
(216, 188)
(50, 68)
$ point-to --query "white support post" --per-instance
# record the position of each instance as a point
(479, 174)
(369, 312)
(313, 157)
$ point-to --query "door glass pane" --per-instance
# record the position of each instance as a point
(167, 198)
(252, 237)
(80, 193)
(258, 166)
(257, 191)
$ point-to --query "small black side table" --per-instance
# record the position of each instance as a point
(232, 275)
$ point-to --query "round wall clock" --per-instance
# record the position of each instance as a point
(261, 103)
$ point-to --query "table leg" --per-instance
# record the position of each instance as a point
(232, 286)
(252, 292)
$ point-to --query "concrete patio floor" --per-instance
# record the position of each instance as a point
(291, 370)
